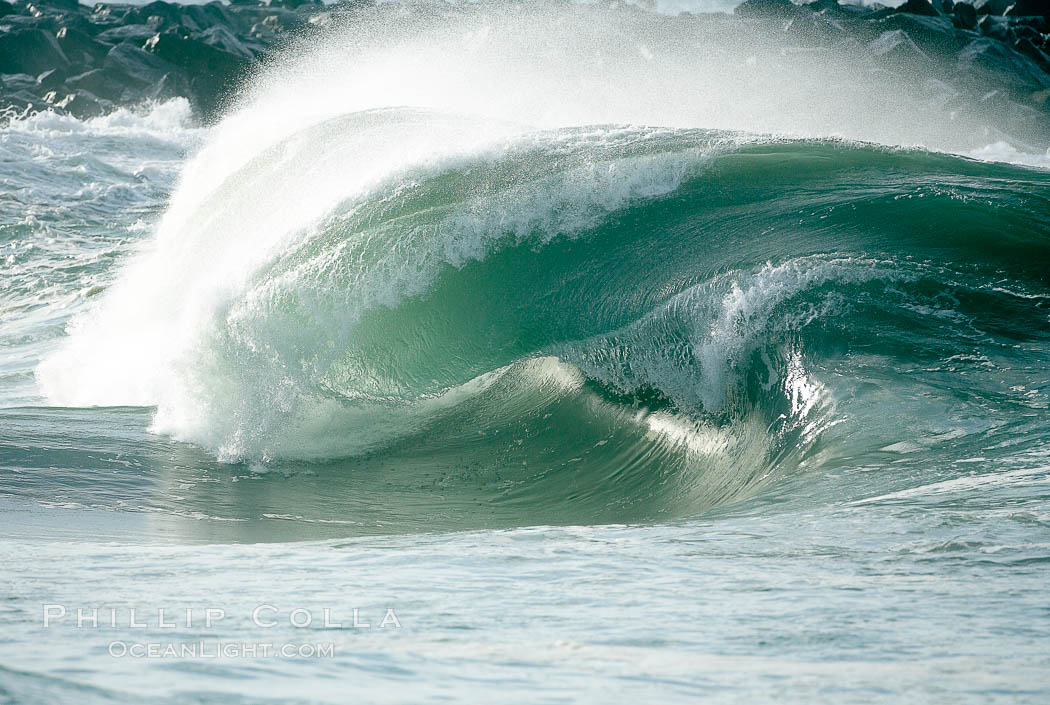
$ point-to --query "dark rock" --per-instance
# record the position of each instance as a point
(30, 51)
(1027, 47)
(134, 33)
(285, 20)
(987, 62)
(180, 31)
(159, 15)
(16, 22)
(80, 48)
(996, 28)
(6, 8)
(281, 21)
(1039, 24)
(46, 20)
(107, 15)
(212, 73)
(763, 8)
(78, 21)
(1029, 8)
(50, 79)
(1023, 31)
(19, 81)
(223, 39)
(64, 5)
(135, 67)
(919, 7)
(294, 4)
(81, 104)
(221, 16)
(173, 85)
(22, 103)
(93, 81)
(964, 16)
(993, 7)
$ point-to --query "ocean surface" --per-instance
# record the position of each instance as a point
(568, 395)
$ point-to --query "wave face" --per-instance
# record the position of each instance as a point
(537, 285)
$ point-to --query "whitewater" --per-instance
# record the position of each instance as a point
(622, 355)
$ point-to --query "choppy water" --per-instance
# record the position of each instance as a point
(601, 410)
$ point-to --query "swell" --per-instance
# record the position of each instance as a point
(609, 317)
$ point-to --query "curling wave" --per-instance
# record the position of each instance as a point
(641, 312)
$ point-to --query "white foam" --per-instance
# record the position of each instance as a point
(1007, 153)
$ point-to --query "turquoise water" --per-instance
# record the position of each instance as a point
(583, 409)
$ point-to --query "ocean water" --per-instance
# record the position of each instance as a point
(481, 359)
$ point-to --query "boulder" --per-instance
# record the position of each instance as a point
(18, 81)
(1027, 47)
(50, 79)
(221, 16)
(283, 21)
(1029, 8)
(80, 48)
(964, 16)
(223, 39)
(80, 104)
(26, 21)
(60, 5)
(6, 8)
(30, 51)
(22, 103)
(134, 67)
(93, 81)
(988, 62)
(996, 28)
(168, 13)
(993, 7)
(173, 85)
(919, 7)
(212, 73)
(34, 18)
(764, 8)
(78, 21)
(1023, 31)
(134, 33)
(1039, 24)
(109, 16)
(294, 4)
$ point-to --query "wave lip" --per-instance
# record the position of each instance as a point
(234, 295)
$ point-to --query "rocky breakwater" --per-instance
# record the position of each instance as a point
(994, 53)
(87, 60)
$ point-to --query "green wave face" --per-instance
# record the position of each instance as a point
(612, 323)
